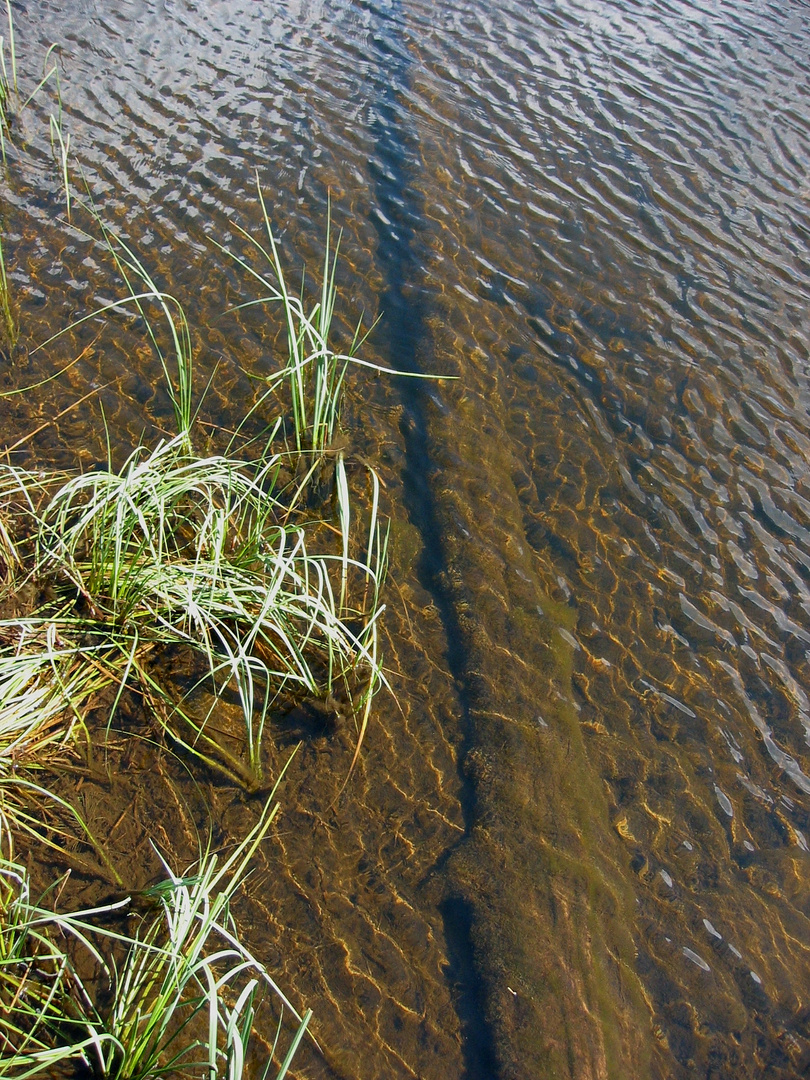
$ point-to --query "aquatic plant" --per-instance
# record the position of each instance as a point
(178, 995)
(203, 553)
(11, 101)
(8, 320)
(212, 554)
(194, 578)
(41, 994)
(215, 555)
(11, 106)
(314, 372)
(8, 81)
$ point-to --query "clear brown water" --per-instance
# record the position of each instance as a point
(579, 847)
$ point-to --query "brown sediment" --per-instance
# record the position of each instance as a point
(565, 997)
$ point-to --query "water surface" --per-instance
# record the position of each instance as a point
(579, 845)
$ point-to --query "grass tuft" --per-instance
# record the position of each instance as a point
(178, 997)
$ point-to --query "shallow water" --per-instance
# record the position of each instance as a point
(580, 845)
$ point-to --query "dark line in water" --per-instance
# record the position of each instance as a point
(405, 322)
(405, 325)
(478, 1047)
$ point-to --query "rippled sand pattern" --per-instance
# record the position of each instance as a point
(581, 846)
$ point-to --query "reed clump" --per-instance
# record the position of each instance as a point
(217, 556)
(178, 995)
